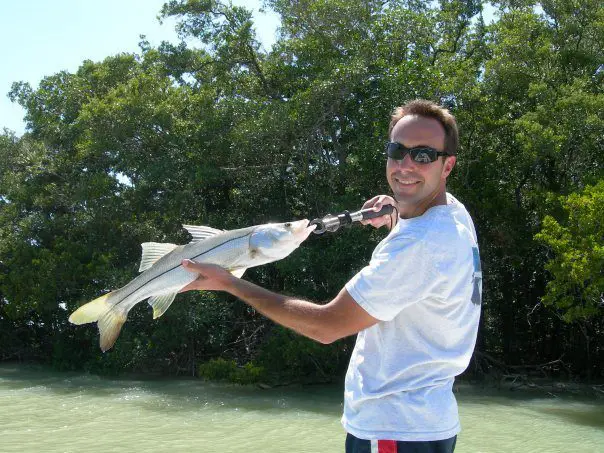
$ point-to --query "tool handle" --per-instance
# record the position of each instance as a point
(331, 222)
(371, 214)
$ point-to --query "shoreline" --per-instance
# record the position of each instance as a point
(542, 386)
(505, 386)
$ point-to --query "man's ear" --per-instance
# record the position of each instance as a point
(448, 166)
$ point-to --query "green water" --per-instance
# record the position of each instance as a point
(42, 411)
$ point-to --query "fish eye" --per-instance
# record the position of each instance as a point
(288, 225)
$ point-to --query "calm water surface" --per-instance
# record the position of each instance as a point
(42, 411)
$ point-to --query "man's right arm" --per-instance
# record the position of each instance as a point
(324, 323)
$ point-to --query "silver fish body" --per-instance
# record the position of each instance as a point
(163, 276)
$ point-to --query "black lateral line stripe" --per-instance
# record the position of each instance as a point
(172, 268)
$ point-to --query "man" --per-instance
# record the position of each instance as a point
(415, 307)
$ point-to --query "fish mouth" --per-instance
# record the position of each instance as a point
(302, 230)
(310, 229)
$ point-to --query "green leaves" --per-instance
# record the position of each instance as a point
(219, 131)
(577, 242)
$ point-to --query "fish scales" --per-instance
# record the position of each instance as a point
(162, 275)
(222, 250)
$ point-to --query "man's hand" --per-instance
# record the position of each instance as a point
(377, 203)
(210, 277)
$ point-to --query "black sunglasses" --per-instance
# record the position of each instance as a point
(419, 154)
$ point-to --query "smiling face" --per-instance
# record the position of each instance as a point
(418, 186)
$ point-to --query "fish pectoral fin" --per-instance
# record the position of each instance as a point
(239, 272)
(201, 233)
(161, 303)
(110, 325)
(152, 251)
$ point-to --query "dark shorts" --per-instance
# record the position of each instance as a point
(354, 445)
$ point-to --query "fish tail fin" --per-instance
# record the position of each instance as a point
(110, 325)
(92, 311)
(108, 317)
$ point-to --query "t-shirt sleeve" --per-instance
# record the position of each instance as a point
(397, 276)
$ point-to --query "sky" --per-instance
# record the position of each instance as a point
(43, 37)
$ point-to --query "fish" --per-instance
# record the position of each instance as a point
(162, 275)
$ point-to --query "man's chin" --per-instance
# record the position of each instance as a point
(406, 199)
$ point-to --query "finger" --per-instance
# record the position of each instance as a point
(386, 199)
(189, 265)
(194, 266)
(377, 203)
(383, 222)
(369, 203)
(377, 222)
(381, 201)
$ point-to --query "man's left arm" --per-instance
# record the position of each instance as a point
(324, 323)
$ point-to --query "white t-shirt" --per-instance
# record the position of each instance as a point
(424, 283)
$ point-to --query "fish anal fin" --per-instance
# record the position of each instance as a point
(239, 272)
(161, 303)
(201, 233)
(152, 251)
(91, 311)
(110, 325)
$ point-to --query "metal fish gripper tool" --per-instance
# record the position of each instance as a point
(332, 222)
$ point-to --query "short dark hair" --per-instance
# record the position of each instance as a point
(429, 109)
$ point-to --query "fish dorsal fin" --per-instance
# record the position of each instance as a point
(161, 303)
(200, 233)
(152, 251)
